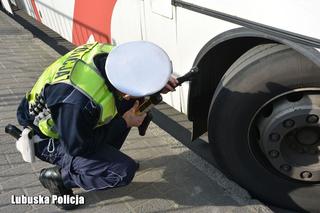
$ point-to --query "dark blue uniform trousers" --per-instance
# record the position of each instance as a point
(106, 167)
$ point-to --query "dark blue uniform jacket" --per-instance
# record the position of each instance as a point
(75, 116)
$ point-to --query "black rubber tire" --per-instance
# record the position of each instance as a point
(256, 77)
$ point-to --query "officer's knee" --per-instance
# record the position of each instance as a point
(131, 168)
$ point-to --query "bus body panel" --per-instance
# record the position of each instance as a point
(129, 26)
(178, 35)
(297, 16)
(57, 15)
(160, 28)
(190, 46)
(179, 31)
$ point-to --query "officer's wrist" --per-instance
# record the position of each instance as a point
(125, 121)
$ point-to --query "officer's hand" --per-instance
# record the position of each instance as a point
(170, 86)
(131, 118)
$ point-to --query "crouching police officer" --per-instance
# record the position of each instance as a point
(81, 110)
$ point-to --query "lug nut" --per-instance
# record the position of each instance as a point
(312, 119)
(288, 123)
(285, 167)
(274, 153)
(274, 137)
(306, 175)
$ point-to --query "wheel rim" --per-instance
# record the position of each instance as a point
(285, 133)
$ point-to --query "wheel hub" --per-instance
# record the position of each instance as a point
(307, 136)
(289, 136)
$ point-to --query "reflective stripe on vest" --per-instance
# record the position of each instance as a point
(75, 68)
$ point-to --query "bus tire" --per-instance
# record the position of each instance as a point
(265, 80)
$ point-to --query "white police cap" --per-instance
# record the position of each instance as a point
(138, 68)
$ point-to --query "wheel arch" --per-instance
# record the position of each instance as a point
(216, 57)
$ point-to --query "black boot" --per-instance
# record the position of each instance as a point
(51, 179)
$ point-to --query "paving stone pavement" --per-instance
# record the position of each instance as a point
(171, 177)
